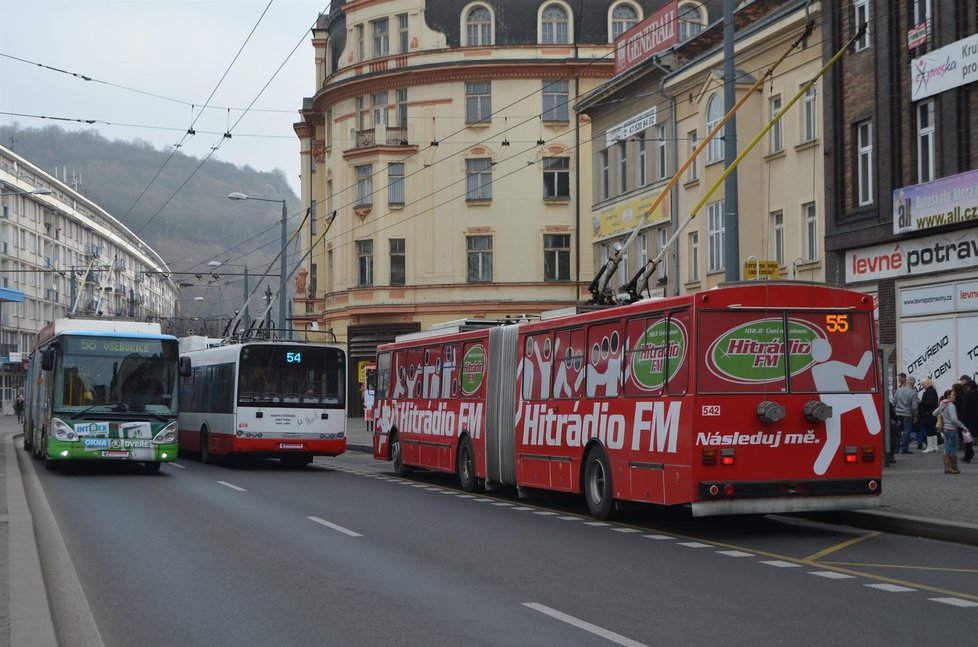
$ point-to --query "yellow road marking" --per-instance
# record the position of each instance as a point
(831, 549)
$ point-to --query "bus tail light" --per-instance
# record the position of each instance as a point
(852, 454)
(727, 456)
(728, 489)
(709, 456)
(869, 454)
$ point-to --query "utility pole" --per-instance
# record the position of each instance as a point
(731, 204)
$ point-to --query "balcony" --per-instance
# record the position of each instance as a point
(381, 135)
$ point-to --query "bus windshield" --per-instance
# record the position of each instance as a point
(291, 375)
(116, 374)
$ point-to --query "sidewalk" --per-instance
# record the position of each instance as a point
(917, 497)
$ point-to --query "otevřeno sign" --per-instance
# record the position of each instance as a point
(655, 34)
(951, 251)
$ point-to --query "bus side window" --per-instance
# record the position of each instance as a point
(449, 373)
(383, 375)
(568, 364)
(604, 360)
(537, 365)
(677, 357)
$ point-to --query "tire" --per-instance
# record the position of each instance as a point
(151, 467)
(49, 465)
(36, 451)
(205, 452)
(400, 469)
(28, 443)
(598, 491)
(465, 465)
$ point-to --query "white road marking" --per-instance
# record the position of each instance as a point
(345, 531)
(465, 496)
(596, 524)
(569, 518)
(693, 544)
(522, 507)
(657, 537)
(781, 564)
(891, 588)
(177, 465)
(545, 513)
(626, 530)
(832, 575)
(735, 553)
(586, 626)
(233, 487)
(503, 504)
(955, 602)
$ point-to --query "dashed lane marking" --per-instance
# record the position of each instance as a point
(832, 575)
(891, 588)
(780, 563)
(345, 531)
(735, 553)
(233, 487)
(955, 602)
(176, 465)
(586, 626)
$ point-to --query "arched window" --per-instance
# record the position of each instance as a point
(554, 26)
(690, 21)
(478, 27)
(714, 113)
(623, 18)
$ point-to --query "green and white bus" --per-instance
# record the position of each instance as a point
(103, 390)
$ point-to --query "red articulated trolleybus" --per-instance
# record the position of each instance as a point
(756, 397)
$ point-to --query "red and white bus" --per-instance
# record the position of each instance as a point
(266, 399)
(755, 397)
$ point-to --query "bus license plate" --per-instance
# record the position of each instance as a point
(111, 454)
(290, 445)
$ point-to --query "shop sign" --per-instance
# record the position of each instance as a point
(635, 125)
(944, 69)
(941, 253)
(927, 300)
(655, 34)
(945, 201)
(624, 216)
(966, 296)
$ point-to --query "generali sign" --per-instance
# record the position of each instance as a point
(952, 251)
(655, 34)
(944, 69)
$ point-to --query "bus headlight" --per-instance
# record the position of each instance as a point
(62, 431)
(167, 435)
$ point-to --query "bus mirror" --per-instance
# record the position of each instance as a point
(184, 366)
(47, 359)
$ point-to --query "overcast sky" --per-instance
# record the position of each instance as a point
(176, 50)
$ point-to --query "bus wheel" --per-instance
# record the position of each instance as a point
(597, 485)
(400, 469)
(28, 445)
(466, 465)
(49, 465)
(205, 452)
(36, 451)
(151, 467)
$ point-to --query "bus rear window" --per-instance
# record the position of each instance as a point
(778, 352)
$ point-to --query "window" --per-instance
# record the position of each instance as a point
(478, 179)
(864, 162)
(313, 218)
(479, 258)
(478, 102)
(925, 141)
(690, 21)
(642, 178)
(362, 113)
(379, 103)
(364, 185)
(556, 178)
(714, 114)
(478, 27)
(692, 173)
(381, 35)
(777, 237)
(556, 99)
(603, 188)
(556, 257)
(365, 263)
(809, 115)
(361, 47)
(313, 273)
(663, 235)
(811, 231)
(777, 141)
(623, 18)
(661, 165)
(861, 15)
(403, 42)
(395, 183)
(694, 256)
(715, 236)
(553, 25)
(642, 242)
(397, 261)
(622, 167)
(402, 109)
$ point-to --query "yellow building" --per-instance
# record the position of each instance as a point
(441, 162)
(781, 181)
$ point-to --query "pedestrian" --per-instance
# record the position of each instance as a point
(19, 407)
(968, 413)
(952, 426)
(905, 406)
(925, 414)
(895, 424)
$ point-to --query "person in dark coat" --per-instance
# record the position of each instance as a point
(969, 414)
(928, 421)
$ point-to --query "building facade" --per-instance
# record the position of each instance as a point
(902, 191)
(649, 121)
(62, 254)
(442, 162)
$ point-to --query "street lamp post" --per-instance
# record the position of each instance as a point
(38, 191)
(282, 292)
(246, 319)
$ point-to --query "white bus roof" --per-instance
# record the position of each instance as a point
(59, 326)
(198, 342)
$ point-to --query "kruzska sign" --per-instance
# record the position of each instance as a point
(655, 34)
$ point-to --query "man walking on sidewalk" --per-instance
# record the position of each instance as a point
(905, 404)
